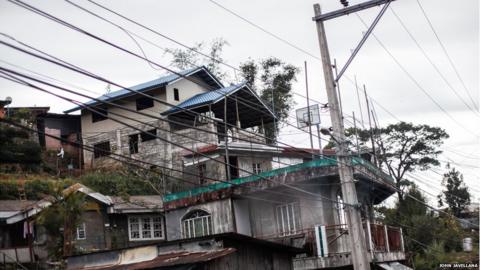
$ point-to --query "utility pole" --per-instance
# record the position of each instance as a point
(354, 221)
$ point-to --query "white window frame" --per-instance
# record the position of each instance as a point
(257, 168)
(286, 219)
(80, 229)
(151, 224)
(188, 225)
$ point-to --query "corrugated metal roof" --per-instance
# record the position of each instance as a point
(14, 205)
(206, 98)
(168, 260)
(140, 87)
(137, 203)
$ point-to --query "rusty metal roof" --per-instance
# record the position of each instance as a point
(151, 203)
(170, 259)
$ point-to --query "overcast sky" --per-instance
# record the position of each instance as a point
(456, 22)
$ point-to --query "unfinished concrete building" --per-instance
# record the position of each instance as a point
(188, 112)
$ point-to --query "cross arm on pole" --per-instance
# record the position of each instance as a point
(348, 10)
(364, 38)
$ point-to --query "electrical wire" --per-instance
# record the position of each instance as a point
(431, 61)
(447, 54)
(414, 80)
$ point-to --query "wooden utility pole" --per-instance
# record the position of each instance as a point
(349, 193)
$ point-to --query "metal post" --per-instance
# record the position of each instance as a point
(370, 242)
(319, 140)
(402, 244)
(308, 111)
(370, 125)
(359, 103)
(227, 157)
(338, 86)
(387, 245)
(356, 133)
(356, 234)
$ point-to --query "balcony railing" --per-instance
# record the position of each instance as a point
(16, 255)
(334, 240)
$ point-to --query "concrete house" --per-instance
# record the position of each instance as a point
(174, 99)
(219, 225)
(263, 207)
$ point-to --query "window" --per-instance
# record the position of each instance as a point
(202, 169)
(256, 168)
(196, 224)
(144, 103)
(147, 137)
(145, 228)
(81, 235)
(99, 115)
(176, 96)
(133, 143)
(288, 218)
(101, 149)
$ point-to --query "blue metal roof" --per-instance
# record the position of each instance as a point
(140, 88)
(206, 98)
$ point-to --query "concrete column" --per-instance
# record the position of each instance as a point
(119, 142)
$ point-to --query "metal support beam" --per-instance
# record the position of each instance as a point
(348, 10)
(364, 38)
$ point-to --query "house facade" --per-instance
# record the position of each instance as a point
(180, 114)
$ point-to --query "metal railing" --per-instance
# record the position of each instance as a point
(334, 239)
(16, 255)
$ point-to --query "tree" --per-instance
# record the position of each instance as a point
(456, 196)
(272, 79)
(405, 147)
(421, 227)
(65, 212)
(190, 58)
(17, 147)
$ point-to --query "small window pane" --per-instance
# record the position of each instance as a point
(101, 149)
(176, 95)
(99, 114)
(148, 137)
(133, 143)
(144, 103)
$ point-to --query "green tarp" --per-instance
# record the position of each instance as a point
(325, 162)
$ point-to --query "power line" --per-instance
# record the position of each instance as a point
(414, 80)
(168, 141)
(264, 30)
(60, 21)
(430, 61)
(216, 60)
(475, 105)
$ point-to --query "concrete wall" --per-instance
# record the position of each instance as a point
(245, 163)
(90, 129)
(241, 210)
(186, 90)
(222, 218)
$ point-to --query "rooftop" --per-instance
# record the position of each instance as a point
(146, 86)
